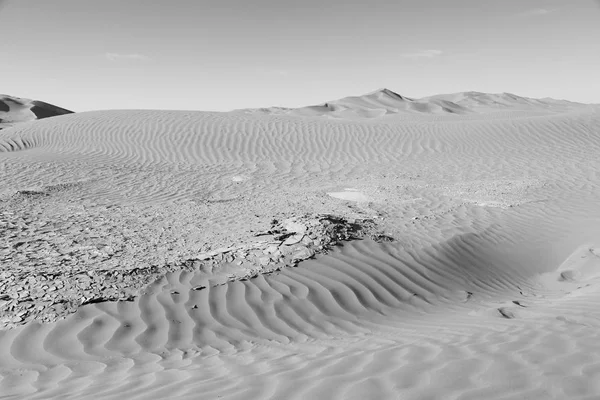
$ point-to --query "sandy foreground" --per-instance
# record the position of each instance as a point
(184, 254)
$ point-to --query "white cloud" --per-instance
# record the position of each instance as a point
(423, 54)
(273, 71)
(536, 12)
(126, 57)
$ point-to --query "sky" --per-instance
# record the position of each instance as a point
(218, 55)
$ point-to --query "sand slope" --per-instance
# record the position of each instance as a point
(14, 110)
(489, 291)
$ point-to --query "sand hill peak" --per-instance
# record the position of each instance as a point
(14, 110)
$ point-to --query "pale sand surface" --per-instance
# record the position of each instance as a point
(489, 291)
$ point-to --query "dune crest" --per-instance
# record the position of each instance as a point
(14, 110)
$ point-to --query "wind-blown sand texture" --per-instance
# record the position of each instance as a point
(14, 110)
(489, 289)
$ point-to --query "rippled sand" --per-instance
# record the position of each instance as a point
(489, 291)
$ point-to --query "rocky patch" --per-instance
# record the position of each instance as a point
(53, 263)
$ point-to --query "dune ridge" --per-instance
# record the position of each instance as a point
(15, 110)
(388, 105)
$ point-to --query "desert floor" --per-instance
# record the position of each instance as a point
(489, 290)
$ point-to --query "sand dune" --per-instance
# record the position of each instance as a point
(386, 104)
(14, 110)
(488, 291)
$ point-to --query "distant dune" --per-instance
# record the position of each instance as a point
(14, 110)
(482, 283)
(386, 104)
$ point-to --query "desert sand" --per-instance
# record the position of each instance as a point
(185, 254)
(14, 110)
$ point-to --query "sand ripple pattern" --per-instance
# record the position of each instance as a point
(283, 147)
(367, 320)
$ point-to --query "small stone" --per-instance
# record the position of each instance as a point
(306, 241)
(84, 284)
(293, 239)
(264, 261)
(293, 226)
(302, 254)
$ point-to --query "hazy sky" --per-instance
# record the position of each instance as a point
(227, 54)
